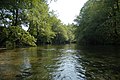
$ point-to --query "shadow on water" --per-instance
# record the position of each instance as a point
(63, 62)
(101, 62)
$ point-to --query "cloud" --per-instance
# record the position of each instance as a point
(67, 9)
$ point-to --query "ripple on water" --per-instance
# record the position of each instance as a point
(60, 63)
(69, 67)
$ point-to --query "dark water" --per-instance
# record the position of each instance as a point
(65, 62)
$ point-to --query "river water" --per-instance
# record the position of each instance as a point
(63, 62)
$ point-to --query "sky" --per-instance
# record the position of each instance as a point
(67, 10)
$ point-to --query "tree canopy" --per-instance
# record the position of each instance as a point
(98, 22)
(43, 25)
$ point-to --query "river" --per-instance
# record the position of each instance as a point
(61, 62)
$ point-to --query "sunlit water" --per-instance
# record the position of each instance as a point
(63, 62)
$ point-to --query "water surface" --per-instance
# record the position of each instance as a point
(63, 62)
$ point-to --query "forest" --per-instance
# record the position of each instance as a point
(97, 23)
(43, 25)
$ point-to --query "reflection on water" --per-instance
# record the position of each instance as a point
(68, 68)
(25, 68)
(101, 62)
(63, 62)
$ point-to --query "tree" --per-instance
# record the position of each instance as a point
(13, 12)
(39, 26)
(44, 26)
(98, 23)
(19, 37)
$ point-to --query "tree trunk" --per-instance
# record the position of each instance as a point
(114, 18)
(16, 18)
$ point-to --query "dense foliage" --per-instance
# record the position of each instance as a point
(16, 35)
(43, 26)
(98, 22)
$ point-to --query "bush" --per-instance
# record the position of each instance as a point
(20, 37)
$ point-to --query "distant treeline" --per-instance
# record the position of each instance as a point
(43, 25)
(99, 22)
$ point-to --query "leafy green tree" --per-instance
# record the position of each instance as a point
(44, 26)
(13, 12)
(61, 35)
(71, 32)
(3, 37)
(39, 22)
(98, 22)
(19, 37)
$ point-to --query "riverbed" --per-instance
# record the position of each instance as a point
(61, 62)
